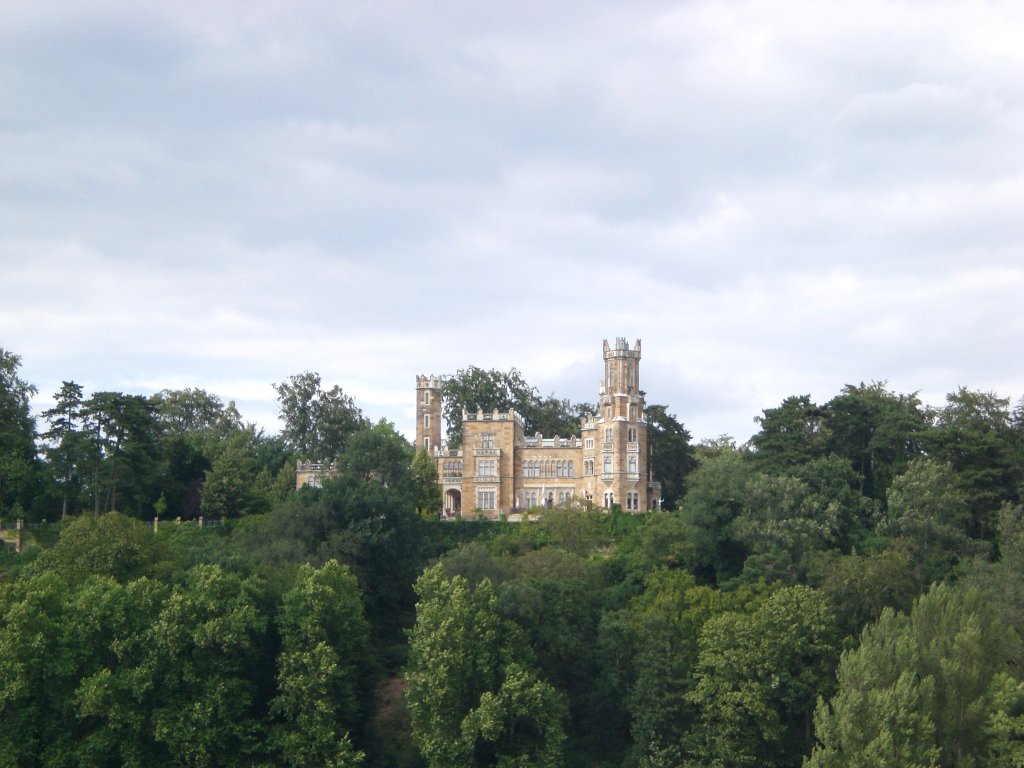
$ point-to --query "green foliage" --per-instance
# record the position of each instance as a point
(194, 412)
(230, 488)
(317, 423)
(379, 453)
(323, 668)
(928, 689)
(860, 586)
(672, 457)
(757, 677)
(717, 489)
(792, 434)
(122, 446)
(426, 493)
(927, 507)
(974, 433)
(111, 545)
(65, 444)
(877, 431)
(473, 699)
(17, 433)
(474, 389)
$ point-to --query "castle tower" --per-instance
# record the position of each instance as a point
(622, 430)
(428, 413)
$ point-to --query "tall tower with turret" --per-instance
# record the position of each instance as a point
(428, 413)
(622, 430)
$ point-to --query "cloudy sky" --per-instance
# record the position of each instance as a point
(777, 197)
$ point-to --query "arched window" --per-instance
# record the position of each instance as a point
(607, 465)
(632, 464)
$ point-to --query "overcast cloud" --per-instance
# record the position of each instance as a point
(777, 197)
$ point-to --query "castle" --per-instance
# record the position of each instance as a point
(501, 471)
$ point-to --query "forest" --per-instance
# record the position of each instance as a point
(844, 590)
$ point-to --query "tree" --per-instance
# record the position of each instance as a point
(556, 416)
(672, 457)
(317, 423)
(665, 623)
(122, 434)
(792, 434)
(230, 488)
(203, 669)
(17, 431)
(192, 411)
(379, 453)
(929, 689)
(974, 433)
(323, 665)
(473, 699)
(758, 676)
(425, 490)
(473, 389)
(717, 489)
(877, 431)
(927, 507)
(65, 441)
(781, 525)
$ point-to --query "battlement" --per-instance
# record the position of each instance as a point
(316, 466)
(429, 382)
(539, 441)
(495, 415)
(621, 348)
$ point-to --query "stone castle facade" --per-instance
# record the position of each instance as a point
(501, 471)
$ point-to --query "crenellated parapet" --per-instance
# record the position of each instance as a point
(494, 415)
(429, 382)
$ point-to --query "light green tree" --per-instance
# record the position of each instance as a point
(321, 669)
(929, 689)
(473, 699)
(757, 677)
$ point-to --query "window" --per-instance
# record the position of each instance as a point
(426, 397)
(632, 464)
(572, 469)
(426, 421)
(486, 467)
(609, 499)
(485, 499)
(631, 435)
(608, 434)
(315, 481)
(607, 465)
(487, 440)
(589, 443)
(426, 443)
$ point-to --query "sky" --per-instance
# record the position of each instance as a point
(779, 198)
